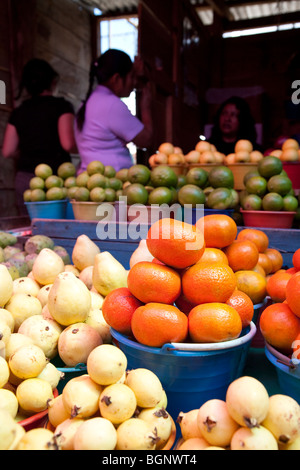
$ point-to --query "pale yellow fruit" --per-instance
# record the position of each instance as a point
(81, 397)
(192, 157)
(27, 362)
(283, 418)
(230, 159)
(4, 372)
(76, 342)
(9, 402)
(203, 146)
(33, 395)
(146, 386)
(15, 341)
(215, 423)
(117, 403)
(7, 317)
(160, 158)
(70, 268)
(242, 156)
(47, 266)
(207, 157)
(256, 156)
(51, 374)
(19, 432)
(243, 145)
(188, 424)
(95, 434)
(7, 430)
(43, 294)
(65, 432)
(57, 412)
(106, 364)
(160, 422)
(23, 306)
(163, 403)
(141, 253)
(256, 438)
(276, 153)
(26, 285)
(86, 276)
(38, 439)
(84, 252)
(44, 333)
(108, 273)
(193, 443)
(166, 147)
(5, 331)
(96, 300)
(289, 155)
(247, 401)
(290, 143)
(96, 320)
(6, 285)
(135, 434)
(69, 300)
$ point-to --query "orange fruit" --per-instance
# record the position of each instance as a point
(253, 284)
(256, 236)
(213, 255)
(219, 230)
(265, 262)
(118, 308)
(279, 326)
(296, 259)
(242, 303)
(152, 282)
(293, 293)
(242, 255)
(156, 324)
(208, 282)
(183, 304)
(276, 285)
(292, 270)
(214, 322)
(175, 243)
(259, 269)
(296, 348)
(276, 259)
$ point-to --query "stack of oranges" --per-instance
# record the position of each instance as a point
(201, 285)
(280, 321)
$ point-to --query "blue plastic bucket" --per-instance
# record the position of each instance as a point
(258, 309)
(190, 373)
(68, 372)
(69, 211)
(191, 215)
(47, 209)
(288, 372)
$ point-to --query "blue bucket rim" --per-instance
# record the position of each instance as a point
(244, 338)
(78, 368)
(282, 362)
(41, 203)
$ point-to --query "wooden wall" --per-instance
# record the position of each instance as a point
(58, 31)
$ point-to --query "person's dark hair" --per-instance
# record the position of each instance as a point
(37, 76)
(246, 121)
(108, 64)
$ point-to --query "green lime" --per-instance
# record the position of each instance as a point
(37, 183)
(43, 171)
(251, 202)
(122, 174)
(70, 181)
(139, 174)
(257, 185)
(27, 195)
(109, 171)
(65, 170)
(136, 193)
(249, 175)
(290, 204)
(97, 180)
(65, 192)
(272, 202)
(197, 176)
(55, 194)
(269, 166)
(181, 181)
(279, 184)
(115, 183)
(174, 195)
(191, 194)
(163, 175)
(38, 195)
(110, 194)
(119, 193)
(97, 194)
(82, 194)
(71, 192)
(160, 195)
(54, 181)
(219, 198)
(95, 167)
(221, 177)
(82, 179)
(235, 199)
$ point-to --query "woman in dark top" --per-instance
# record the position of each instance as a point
(233, 122)
(40, 130)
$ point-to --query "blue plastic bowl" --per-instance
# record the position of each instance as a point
(68, 372)
(47, 209)
(288, 372)
(190, 373)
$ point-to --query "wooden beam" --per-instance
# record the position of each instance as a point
(262, 22)
(220, 8)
